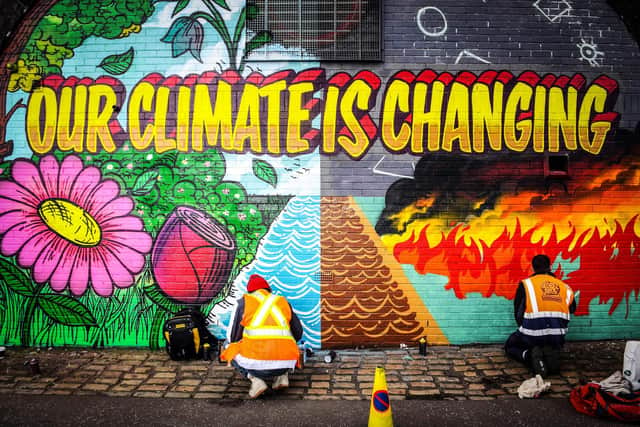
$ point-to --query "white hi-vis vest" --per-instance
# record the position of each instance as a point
(266, 342)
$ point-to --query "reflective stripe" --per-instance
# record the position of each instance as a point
(263, 311)
(533, 300)
(569, 296)
(552, 314)
(277, 314)
(249, 363)
(542, 332)
(267, 307)
(267, 332)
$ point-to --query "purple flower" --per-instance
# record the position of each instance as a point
(185, 34)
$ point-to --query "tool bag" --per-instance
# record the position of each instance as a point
(590, 399)
(187, 336)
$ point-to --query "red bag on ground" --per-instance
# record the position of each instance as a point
(590, 399)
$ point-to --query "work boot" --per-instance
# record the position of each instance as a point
(538, 364)
(281, 382)
(552, 359)
(258, 386)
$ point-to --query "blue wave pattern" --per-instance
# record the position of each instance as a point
(289, 259)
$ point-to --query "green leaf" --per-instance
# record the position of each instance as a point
(259, 40)
(152, 291)
(264, 171)
(119, 63)
(15, 279)
(145, 182)
(222, 4)
(66, 310)
(252, 11)
(179, 7)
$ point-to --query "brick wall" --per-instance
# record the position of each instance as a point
(146, 167)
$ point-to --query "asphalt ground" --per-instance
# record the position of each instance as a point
(21, 410)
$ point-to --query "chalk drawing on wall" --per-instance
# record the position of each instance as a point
(466, 54)
(431, 21)
(553, 10)
(589, 52)
(377, 170)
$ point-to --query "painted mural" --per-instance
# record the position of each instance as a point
(149, 162)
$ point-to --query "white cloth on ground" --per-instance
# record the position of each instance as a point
(533, 387)
(615, 384)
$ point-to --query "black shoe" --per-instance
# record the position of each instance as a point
(552, 359)
(538, 365)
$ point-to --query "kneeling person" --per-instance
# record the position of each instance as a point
(262, 337)
(542, 308)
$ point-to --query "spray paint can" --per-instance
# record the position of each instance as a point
(330, 357)
(34, 366)
(422, 346)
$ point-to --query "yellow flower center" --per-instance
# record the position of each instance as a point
(70, 222)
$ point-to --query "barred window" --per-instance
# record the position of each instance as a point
(332, 30)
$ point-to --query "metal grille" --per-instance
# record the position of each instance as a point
(333, 30)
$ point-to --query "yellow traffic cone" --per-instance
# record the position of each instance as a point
(380, 409)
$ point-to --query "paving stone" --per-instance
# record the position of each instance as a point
(447, 372)
(177, 394)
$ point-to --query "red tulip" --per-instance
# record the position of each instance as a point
(192, 256)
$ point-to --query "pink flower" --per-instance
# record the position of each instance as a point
(70, 227)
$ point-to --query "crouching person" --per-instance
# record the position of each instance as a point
(262, 338)
(542, 308)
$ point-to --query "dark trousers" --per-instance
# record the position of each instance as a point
(263, 374)
(517, 347)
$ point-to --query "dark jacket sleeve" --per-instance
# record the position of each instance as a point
(295, 325)
(236, 327)
(519, 304)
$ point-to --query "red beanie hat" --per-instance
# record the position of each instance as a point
(257, 282)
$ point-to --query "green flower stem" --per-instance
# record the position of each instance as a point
(32, 303)
(217, 22)
(237, 35)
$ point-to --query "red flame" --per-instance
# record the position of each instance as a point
(609, 268)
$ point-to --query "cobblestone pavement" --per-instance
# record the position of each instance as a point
(477, 372)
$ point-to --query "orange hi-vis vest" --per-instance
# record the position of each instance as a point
(547, 313)
(267, 335)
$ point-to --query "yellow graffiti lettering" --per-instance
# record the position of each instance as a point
(357, 94)
(562, 118)
(431, 117)
(396, 100)
(456, 121)
(182, 119)
(329, 120)
(297, 115)
(209, 122)
(248, 121)
(517, 133)
(41, 133)
(69, 137)
(539, 118)
(141, 99)
(593, 101)
(487, 116)
(162, 143)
